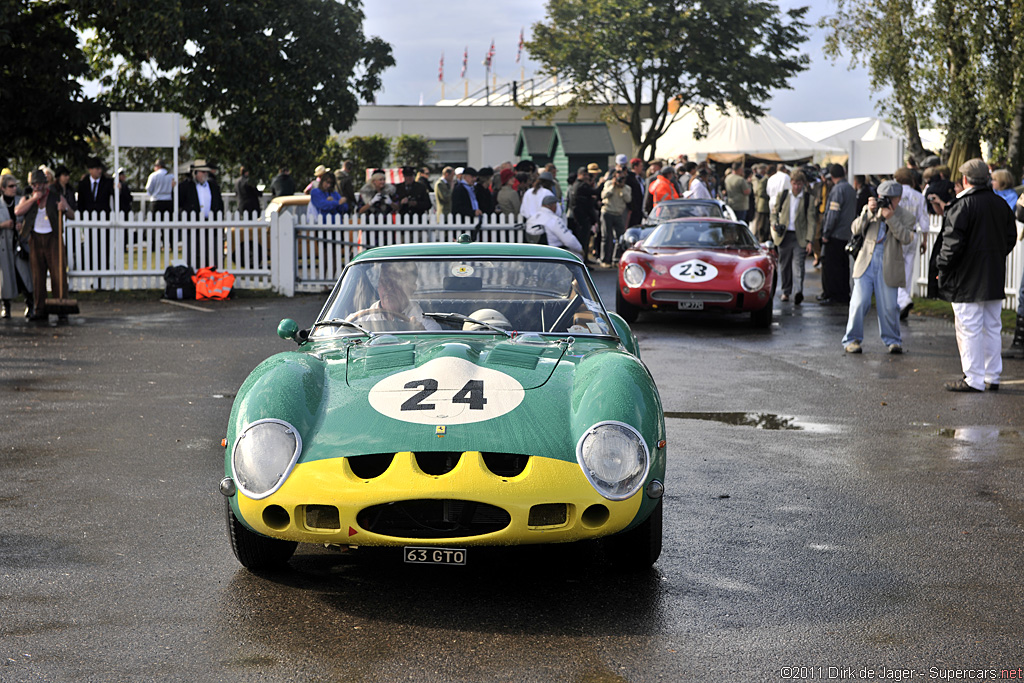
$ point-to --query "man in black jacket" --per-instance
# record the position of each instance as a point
(247, 196)
(464, 201)
(95, 190)
(978, 232)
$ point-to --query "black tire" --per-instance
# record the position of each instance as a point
(763, 317)
(256, 552)
(628, 311)
(639, 548)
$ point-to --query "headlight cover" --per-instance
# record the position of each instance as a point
(753, 279)
(634, 274)
(615, 459)
(264, 455)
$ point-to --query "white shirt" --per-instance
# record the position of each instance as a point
(532, 202)
(913, 201)
(698, 190)
(794, 205)
(558, 235)
(42, 225)
(160, 185)
(776, 184)
(205, 199)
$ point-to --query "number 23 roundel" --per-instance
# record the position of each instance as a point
(694, 270)
(446, 391)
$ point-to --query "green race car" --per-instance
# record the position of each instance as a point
(450, 396)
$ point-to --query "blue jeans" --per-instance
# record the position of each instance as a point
(873, 282)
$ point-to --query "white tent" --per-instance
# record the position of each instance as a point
(730, 137)
(839, 132)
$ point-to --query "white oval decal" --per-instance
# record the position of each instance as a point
(446, 391)
(694, 270)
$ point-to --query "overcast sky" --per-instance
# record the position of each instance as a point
(419, 37)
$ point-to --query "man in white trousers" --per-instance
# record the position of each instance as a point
(914, 202)
(978, 232)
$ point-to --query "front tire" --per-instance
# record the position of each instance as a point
(255, 552)
(763, 318)
(639, 548)
(628, 311)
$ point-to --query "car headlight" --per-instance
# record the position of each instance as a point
(263, 457)
(752, 279)
(614, 458)
(634, 274)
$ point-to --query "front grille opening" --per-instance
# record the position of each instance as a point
(370, 466)
(322, 517)
(437, 464)
(549, 514)
(506, 464)
(276, 517)
(433, 519)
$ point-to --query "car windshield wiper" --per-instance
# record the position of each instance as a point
(344, 323)
(465, 319)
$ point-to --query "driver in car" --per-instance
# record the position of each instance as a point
(397, 281)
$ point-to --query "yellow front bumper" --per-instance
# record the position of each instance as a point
(544, 481)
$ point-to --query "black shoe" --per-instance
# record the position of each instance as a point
(825, 301)
(989, 386)
(905, 311)
(798, 298)
(38, 317)
(821, 297)
(961, 385)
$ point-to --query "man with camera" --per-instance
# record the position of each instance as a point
(616, 196)
(978, 232)
(878, 268)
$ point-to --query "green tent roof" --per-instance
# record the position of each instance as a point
(583, 138)
(535, 140)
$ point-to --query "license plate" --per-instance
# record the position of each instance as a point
(691, 305)
(455, 556)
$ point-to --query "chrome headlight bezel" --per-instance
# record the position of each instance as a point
(639, 473)
(759, 277)
(634, 274)
(286, 460)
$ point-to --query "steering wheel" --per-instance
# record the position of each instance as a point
(389, 314)
(568, 311)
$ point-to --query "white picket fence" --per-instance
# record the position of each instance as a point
(285, 252)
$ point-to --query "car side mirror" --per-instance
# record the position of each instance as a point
(289, 329)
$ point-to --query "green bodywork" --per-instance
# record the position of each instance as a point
(570, 384)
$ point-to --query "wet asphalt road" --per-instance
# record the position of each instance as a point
(823, 510)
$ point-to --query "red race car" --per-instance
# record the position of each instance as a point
(698, 264)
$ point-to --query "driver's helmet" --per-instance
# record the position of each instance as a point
(486, 315)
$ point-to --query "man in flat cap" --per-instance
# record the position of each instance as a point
(878, 269)
(978, 232)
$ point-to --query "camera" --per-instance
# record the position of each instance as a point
(884, 202)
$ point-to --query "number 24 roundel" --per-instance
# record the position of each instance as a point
(446, 391)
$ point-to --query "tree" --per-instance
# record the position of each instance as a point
(47, 118)
(260, 81)
(369, 151)
(411, 150)
(635, 56)
(893, 39)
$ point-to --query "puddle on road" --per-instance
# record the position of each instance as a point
(767, 421)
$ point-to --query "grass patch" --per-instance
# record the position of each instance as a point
(933, 308)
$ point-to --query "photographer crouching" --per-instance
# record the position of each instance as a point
(878, 269)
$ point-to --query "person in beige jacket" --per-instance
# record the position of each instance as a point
(878, 268)
(793, 225)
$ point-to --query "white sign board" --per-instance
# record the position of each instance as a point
(145, 129)
(875, 157)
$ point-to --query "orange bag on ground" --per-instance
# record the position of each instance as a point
(213, 284)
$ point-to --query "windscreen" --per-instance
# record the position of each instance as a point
(701, 235)
(481, 296)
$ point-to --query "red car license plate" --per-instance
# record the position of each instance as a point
(455, 556)
(691, 305)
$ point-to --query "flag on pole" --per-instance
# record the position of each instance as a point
(440, 70)
(490, 55)
(465, 60)
(519, 52)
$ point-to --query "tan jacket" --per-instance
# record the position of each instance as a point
(899, 231)
(806, 218)
(616, 199)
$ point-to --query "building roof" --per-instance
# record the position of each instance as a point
(534, 140)
(584, 138)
